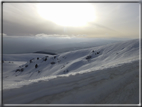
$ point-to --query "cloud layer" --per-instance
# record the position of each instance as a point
(112, 20)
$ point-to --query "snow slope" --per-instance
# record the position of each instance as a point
(93, 75)
(21, 57)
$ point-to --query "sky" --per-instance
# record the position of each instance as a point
(30, 27)
(71, 19)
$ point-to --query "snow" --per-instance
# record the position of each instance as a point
(109, 76)
(21, 57)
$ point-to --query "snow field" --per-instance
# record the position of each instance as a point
(74, 61)
(106, 74)
(90, 87)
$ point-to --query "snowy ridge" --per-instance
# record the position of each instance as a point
(93, 74)
(21, 57)
(75, 61)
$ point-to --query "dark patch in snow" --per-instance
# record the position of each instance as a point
(45, 59)
(36, 66)
(17, 70)
(63, 66)
(22, 69)
(66, 71)
(52, 62)
(88, 57)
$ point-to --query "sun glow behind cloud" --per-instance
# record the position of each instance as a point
(91, 19)
(67, 14)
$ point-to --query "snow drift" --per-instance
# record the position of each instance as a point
(90, 76)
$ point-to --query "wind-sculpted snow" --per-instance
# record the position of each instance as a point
(78, 60)
(88, 86)
(82, 76)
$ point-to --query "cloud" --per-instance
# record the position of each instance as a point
(50, 35)
(101, 26)
(58, 35)
(22, 19)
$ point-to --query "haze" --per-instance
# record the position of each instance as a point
(36, 26)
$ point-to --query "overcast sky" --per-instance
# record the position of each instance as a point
(71, 20)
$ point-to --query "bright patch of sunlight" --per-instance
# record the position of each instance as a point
(67, 14)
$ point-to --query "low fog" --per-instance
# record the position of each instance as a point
(13, 45)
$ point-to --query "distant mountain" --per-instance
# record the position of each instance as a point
(43, 52)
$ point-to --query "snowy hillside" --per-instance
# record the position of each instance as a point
(81, 76)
